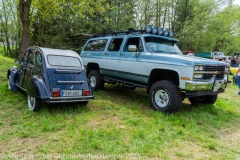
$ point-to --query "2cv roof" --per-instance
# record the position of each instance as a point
(48, 51)
(65, 62)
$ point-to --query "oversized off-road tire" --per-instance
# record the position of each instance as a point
(96, 80)
(165, 96)
(209, 99)
(34, 103)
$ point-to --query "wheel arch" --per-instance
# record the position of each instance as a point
(92, 66)
(162, 74)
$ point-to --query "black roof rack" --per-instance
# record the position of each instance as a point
(85, 37)
(81, 36)
(115, 33)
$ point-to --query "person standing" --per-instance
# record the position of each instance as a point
(233, 62)
(238, 77)
(238, 61)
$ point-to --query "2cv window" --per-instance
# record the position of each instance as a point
(30, 60)
(38, 63)
(64, 61)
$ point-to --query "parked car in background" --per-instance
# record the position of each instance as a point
(52, 76)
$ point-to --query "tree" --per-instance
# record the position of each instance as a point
(9, 27)
(24, 10)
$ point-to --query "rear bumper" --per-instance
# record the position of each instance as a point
(69, 99)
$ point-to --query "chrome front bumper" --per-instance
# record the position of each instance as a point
(211, 85)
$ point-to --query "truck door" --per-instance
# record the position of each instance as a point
(130, 67)
(111, 57)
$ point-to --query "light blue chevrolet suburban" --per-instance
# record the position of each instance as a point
(151, 59)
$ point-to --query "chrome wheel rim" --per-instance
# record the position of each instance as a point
(9, 82)
(93, 81)
(162, 98)
(31, 102)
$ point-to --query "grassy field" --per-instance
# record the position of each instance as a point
(118, 124)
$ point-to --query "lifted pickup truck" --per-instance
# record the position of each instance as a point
(151, 59)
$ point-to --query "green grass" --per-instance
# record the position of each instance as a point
(118, 124)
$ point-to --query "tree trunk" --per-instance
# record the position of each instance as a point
(24, 8)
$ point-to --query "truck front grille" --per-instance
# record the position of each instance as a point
(214, 68)
(218, 69)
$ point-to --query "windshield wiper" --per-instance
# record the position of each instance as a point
(159, 51)
(174, 52)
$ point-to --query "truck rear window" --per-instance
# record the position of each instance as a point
(64, 61)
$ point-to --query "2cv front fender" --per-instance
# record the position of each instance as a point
(12, 76)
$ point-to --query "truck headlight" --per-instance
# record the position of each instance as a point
(198, 68)
(226, 68)
(197, 76)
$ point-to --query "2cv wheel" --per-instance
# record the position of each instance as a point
(33, 103)
(165, 96)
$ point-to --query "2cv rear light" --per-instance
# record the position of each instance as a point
(56, 93)
(86, 92)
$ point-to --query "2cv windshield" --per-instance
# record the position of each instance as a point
(160, 45)
(65, 61)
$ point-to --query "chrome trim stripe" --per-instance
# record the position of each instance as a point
(68, 71)
(70, 82)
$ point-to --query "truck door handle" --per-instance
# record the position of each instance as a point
(106, 53)
(122, 54)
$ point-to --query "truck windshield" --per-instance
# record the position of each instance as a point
(160, 45)
(63, 61)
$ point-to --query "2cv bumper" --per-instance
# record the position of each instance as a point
(69, 99)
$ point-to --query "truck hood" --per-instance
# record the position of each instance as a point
(183, 60)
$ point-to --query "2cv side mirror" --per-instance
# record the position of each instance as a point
(133, 48)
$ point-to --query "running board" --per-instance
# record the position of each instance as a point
(122, 81)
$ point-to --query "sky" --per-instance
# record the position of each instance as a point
(236, 2)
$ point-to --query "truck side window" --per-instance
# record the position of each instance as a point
(134, 41)
(115, 44)
(96, 45)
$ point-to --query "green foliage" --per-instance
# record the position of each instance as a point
(200, 25)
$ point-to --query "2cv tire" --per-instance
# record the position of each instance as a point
(33, 103)
(165, 96)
